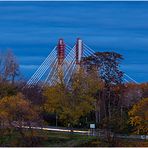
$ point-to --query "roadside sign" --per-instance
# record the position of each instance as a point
(92, 126)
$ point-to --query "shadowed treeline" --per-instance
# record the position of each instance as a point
(95, 94)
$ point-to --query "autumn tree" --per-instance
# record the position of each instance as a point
(132, 94)
(9, 68)
(139, 116)
(34, 94)
(87, 84)
(7, 89)
(107, 64)
(144, 89)
(74, 101)
(15, 112)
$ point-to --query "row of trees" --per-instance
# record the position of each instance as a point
(110, 99)
(95, 94)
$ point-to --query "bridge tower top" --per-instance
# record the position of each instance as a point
(79, 50)
(61, 51)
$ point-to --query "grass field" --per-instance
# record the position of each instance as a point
(54, 139)
(43, 138)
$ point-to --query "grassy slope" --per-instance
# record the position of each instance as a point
(44, 138)
(49, 139)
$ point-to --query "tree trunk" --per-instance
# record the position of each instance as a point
(99, 115)
(109, 105)
(56, 120)
(12, 82)
(96, 112)
(104, 104)
(121, 111)
(109, 109)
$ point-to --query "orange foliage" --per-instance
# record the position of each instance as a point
(139, 116)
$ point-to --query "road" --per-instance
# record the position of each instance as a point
(61, 129)
(100, 133)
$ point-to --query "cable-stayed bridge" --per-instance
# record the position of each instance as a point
(63, 60)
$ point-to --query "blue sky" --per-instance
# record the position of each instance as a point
(31, 30)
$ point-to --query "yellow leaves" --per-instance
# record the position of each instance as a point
(75, 101)
(16, 108)
(135, 121)
(3, 115)
(71, 104)
(55, 96)
(139, 116)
